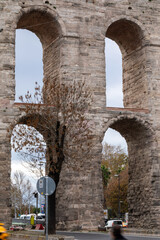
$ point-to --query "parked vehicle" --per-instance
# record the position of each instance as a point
(23, 216)
(125, 224)
(42, 215)
(27, 216)
(112, 223)
(40, 218)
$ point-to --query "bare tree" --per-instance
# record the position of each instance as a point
(60, 114)
(22, 192)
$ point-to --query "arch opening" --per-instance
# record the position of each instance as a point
(113, 58)
(130, 39)
(28, 151)
(29, 64)
(138, 136)
(114, 168)
(48, 30)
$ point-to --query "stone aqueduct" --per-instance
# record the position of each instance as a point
(72, 34)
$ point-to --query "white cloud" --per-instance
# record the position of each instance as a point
(113, 137)
(114, 97)
(16, 165)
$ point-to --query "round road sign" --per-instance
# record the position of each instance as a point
(46, 185)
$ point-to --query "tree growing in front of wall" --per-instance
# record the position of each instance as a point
(115, 163)
(113, 195)
(60, 114)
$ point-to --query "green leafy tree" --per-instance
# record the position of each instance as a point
(105, 174)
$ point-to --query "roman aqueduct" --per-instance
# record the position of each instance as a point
(72, 34)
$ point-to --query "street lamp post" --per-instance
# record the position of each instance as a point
(41, 163)
(119, 203)
(15, 199)
(15, 212)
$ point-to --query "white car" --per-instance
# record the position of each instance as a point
(42, 215)
(27, 216)
(23, 216)
(112, 223)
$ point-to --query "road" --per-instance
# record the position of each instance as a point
(104, 236)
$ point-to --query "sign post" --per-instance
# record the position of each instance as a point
(46, 207)
(46, 186)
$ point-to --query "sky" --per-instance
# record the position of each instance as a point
(29, 69)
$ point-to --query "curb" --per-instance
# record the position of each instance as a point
(146, 232)
(18, 236)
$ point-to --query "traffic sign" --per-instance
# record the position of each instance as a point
(46, 188)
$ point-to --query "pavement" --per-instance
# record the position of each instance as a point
(106, 236)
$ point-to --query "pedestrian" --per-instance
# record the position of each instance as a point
(116, 233)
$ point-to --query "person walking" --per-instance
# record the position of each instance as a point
(116, 233)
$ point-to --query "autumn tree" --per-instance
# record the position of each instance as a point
(114, 162)
(114, 158)
(112, 194)
(59, 113)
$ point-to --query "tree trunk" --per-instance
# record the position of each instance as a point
(52, 200)
(54, 173)
(52, 213)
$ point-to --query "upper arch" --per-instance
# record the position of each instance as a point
(31, 120)
(128, 32)
(130, 127)
(43, 21)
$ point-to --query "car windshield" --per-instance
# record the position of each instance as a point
(118, 222)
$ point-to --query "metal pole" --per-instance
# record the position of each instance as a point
(37, 204)
(15, 214)
(41, 164)
(119, 207)
(15, 199)
(46, 207)
(40, 204)
(29, 207)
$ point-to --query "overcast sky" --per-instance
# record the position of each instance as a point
(29, 69)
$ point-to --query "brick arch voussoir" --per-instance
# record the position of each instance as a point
(32, 120)
(41, 8)
(133, 123)
(144, 29)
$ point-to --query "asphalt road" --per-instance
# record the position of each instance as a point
(104, 236)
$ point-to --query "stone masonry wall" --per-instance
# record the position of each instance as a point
(51, 59)
(82, 26)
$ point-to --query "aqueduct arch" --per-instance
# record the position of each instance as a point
(45, 25)
(138, 135)
(131, 39)
(73, 48)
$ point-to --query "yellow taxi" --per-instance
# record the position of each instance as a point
(124, 224)
(3, 232)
